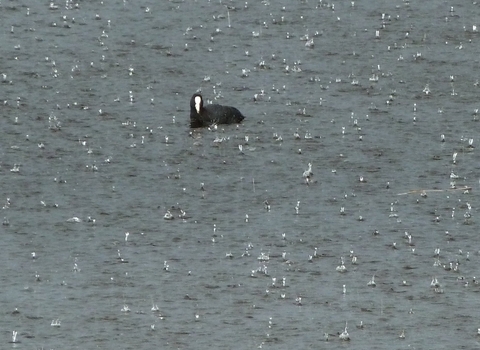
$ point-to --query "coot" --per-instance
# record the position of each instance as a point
(201, 115)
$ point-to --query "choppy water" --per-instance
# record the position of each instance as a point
(95, 144)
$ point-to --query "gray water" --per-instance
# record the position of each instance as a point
(95, 144)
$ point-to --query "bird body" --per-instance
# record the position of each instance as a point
(201, 116)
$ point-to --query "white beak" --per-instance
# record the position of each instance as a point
(198, 102)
